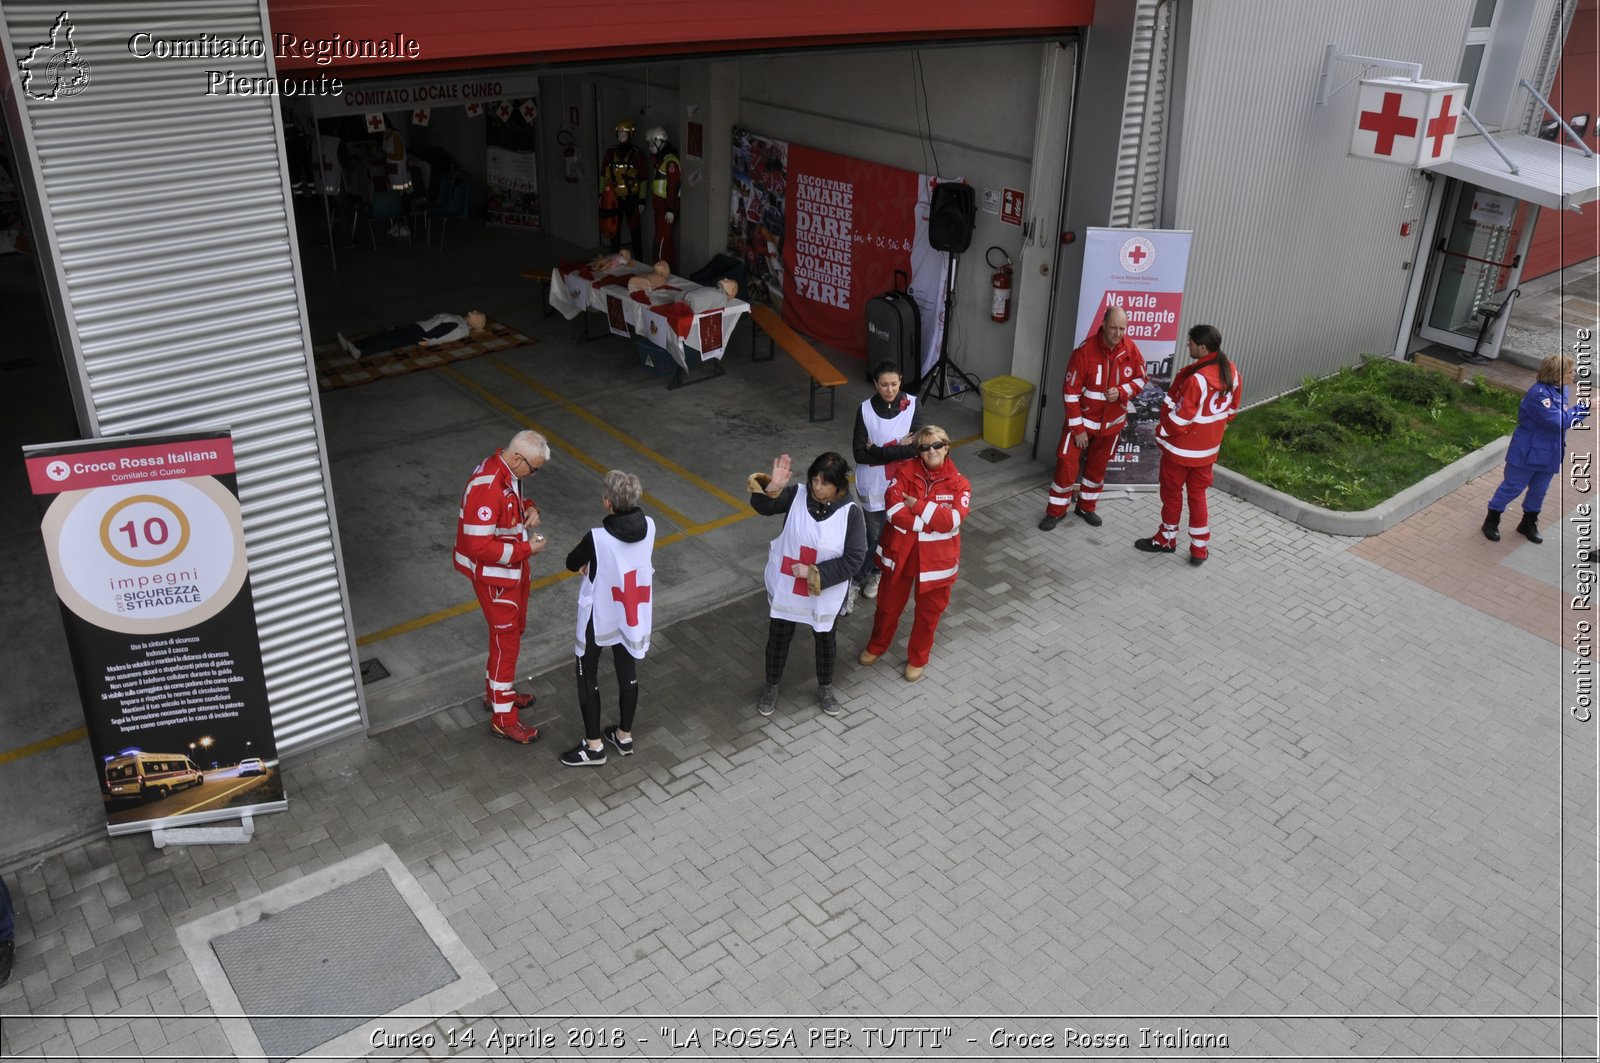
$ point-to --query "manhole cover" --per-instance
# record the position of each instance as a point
(373, 670)
(991, 455)
(356, 950)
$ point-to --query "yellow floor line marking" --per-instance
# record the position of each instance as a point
(557, 441)
(408, 626)
(616, 433)
(44, 745)
(964, 441)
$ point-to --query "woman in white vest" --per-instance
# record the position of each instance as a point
(809, 564)
(885, 426)
(614, 609)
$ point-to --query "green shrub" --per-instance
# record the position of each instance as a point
(1309, 437)
(1421, 388)
(1362, 413)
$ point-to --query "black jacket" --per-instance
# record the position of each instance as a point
(628, 526)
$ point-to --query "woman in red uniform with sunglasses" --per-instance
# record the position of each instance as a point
(920, 551)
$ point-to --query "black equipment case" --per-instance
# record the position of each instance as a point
(894, 333)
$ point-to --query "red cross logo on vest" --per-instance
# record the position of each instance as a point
(1388, 123)
(1441, 126)
(631, 595)
(808, 556)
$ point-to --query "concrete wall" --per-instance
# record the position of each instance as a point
(980, 107)
(1298, 256)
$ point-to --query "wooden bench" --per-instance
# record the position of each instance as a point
(823, 374)
(543, 277)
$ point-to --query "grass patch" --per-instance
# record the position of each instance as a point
(1364, 434)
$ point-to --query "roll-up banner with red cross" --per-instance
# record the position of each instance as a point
(146, 549)
(1142, 271)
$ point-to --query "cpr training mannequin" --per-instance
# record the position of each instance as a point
(718, 297)
(622, 173)
(607, 263)
(649, 281)
(665, 177)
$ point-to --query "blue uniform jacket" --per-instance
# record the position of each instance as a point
(1542, 422)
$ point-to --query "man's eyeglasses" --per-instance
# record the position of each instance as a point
(533, 470)
(923, 448)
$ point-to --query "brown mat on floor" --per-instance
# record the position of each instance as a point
(337, 369)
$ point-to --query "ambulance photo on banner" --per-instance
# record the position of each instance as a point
(1142, 271)
(145, 543)
(820, 234)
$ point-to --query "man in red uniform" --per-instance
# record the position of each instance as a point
(1103, 376)
(493, 545)
(666, 174)
(1203, 399)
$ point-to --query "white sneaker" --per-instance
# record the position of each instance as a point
(351, 349)
(850, 597)
(869, 589)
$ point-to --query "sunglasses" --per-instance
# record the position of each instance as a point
(923, 448)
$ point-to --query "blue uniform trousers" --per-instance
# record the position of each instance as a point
(1518, 478)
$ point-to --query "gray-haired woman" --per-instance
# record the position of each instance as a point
(613, 610)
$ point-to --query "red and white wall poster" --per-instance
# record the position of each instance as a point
(820, 234)
(1142, 271)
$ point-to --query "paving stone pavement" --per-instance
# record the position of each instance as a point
(1289, 783)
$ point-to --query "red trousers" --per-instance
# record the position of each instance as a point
(506, 610)
(1093, 459)
(893, 592)
(663, 249)
(1176, 481)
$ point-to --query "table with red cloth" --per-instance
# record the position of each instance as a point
(658, 315)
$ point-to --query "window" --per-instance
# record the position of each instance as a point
(1491, 56)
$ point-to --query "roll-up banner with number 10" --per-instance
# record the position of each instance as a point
(146, 548)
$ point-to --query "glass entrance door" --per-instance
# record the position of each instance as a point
(1477, 265)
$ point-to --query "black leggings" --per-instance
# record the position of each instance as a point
(589, 685)
(779, 635)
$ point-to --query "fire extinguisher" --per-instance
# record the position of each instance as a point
(1000, 282)
(569, 156)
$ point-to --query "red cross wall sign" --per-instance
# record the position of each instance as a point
(1413, 123)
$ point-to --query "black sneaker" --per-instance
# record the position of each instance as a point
(583, 756)
(1150, 546)
(624, 749)
(769, 700)
(1090, 517)
(1049, 523)
(7, 954)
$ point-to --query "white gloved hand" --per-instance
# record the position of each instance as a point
(671, 217)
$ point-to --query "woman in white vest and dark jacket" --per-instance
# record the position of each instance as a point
(885, 426)
(809, 565)
(614, 609)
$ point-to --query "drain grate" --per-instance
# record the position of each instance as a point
(355, 950)
(991, 455)
(373, 670)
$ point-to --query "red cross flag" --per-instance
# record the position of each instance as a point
(529, 110)
(504, 110)
(375, 123)
(1413, 123)
(421, 115)
(474, 109)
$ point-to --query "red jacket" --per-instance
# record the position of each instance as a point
(491, 542)
(933, 529)
(1196, 412)
(1099, 385)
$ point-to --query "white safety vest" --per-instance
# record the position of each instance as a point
(808, 541)
(872, 480)
(618, 597)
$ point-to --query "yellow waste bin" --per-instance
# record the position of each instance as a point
(1005, 410)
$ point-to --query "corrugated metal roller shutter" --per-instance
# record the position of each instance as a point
(1141, 154)
(169, 218)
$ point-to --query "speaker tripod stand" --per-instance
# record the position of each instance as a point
(938, 384)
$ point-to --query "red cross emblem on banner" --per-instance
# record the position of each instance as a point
(631, 595)
(1441, 126)
(808, 556)
(420, 116)
(375, 122)
(1388, 123)
(1137, 254)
